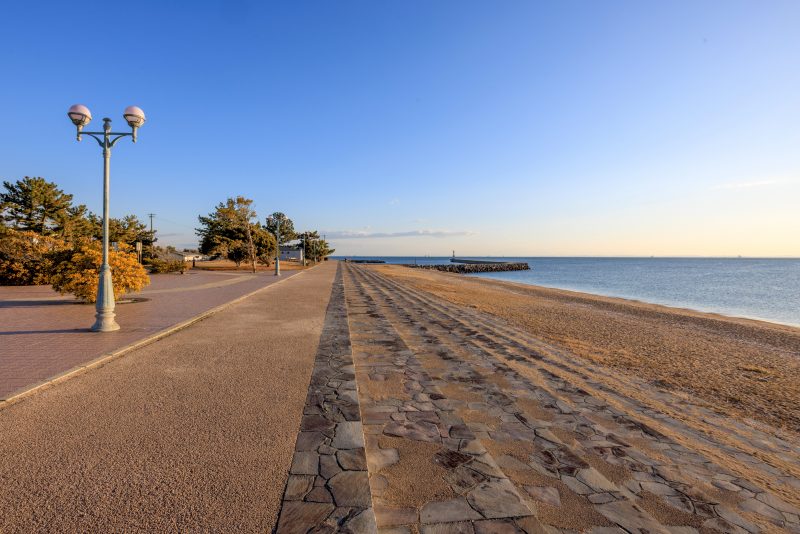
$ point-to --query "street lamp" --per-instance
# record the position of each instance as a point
(80, 117)
(277, 220)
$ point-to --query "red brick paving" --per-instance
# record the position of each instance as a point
(43, 334)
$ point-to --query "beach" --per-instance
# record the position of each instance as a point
(567, 402)
(369, 398)
(743, 368)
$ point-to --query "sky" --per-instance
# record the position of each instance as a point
(420, 128)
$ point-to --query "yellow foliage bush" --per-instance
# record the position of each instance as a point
(79, 270)
(26, 257)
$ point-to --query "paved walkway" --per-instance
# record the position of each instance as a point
(328, 485)
(342, 401)
(472, 425)
(192, 433)
(43, 334)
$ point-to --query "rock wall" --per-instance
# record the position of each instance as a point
(474, 267)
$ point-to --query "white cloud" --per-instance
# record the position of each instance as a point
(347, 234)
(747, 185)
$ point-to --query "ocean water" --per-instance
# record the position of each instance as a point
(767, 289)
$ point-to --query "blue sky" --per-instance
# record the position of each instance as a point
(411, 128)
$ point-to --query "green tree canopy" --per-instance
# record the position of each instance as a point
(230, 231)
(314, 248)
(278, 221)
(128, 229)
(36, 205)
(76, 223)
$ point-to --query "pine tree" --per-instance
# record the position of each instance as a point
(230, 231)
(36, 205)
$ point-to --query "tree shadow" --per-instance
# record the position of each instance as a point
(36, 303)
(57, 331)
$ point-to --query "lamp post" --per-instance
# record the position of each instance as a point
(278, 253)
(80, 117)
(278, 221)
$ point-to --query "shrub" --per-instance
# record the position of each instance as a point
(157, 266)
(78, 269)
(26, 258)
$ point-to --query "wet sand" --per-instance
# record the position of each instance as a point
(742, 368)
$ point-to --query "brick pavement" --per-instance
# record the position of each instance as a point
(43, 334)
(192, 433)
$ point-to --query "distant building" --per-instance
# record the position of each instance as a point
(291, 253)
(187, 256)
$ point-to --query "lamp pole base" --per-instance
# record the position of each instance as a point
(104, 322)
(104, 318)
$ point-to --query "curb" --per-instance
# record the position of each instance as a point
(18, 395)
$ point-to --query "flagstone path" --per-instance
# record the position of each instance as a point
(471, 425)
(328, 485)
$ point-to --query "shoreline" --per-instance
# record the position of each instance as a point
(754, 288)
(635, 300)
(741, 367)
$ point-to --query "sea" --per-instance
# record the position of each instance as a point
(755, 288)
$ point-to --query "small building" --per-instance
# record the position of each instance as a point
(291, 253)
(187, 256)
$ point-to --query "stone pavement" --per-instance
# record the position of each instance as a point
(192, 433)
(43, 334)
(471, 425)
(328, 485)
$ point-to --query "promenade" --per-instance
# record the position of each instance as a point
(43, 334)
(473, 425)
(343, 400)
(191, 433)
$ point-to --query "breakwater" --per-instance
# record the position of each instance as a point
(461, 260)
(465, 268)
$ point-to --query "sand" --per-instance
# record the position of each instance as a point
(742, 368)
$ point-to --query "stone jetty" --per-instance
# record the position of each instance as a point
(475, 267)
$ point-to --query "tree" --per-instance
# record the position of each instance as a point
(314, 248)
(280, 222)
(229, 231)
(74, 223)
(265, 245)
(34, 204)
(77, 270)
(128, 230)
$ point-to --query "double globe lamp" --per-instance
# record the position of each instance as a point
(80, 117)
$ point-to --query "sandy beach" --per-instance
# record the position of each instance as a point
(586, 413)
(738, 367)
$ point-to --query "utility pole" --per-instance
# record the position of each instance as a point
(152, 236)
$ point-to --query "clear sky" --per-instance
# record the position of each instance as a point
(417, 127)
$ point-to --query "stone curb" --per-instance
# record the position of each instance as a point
(19, 395)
